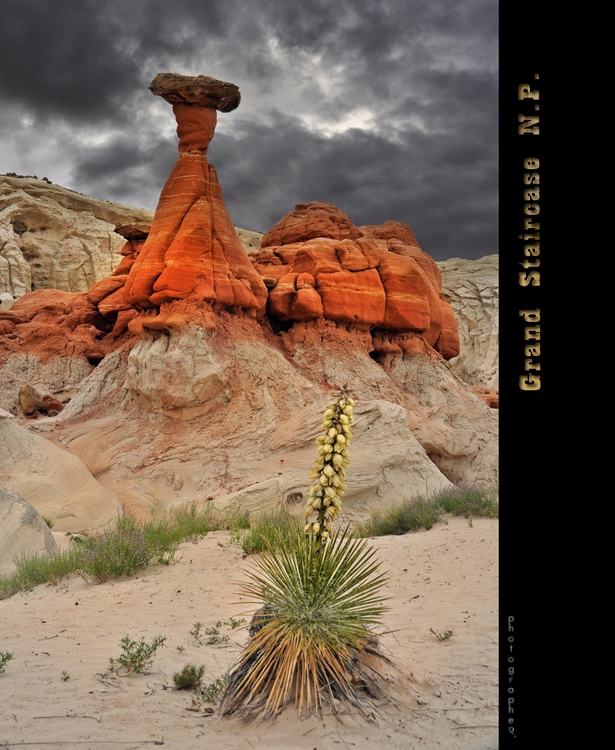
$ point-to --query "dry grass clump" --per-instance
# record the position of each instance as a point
(123, 549)
(417, 512)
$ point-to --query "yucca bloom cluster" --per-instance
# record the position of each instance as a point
(324, 496)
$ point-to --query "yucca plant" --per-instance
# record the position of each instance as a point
(312, 637)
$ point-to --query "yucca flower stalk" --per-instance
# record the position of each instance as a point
(325, 495)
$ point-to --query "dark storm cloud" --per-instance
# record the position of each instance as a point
(369, 177)
(386, 108)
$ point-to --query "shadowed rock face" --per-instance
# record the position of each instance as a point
(318, 264)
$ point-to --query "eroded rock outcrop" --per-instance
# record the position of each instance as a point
(192, 251)
(193, 371)
(317, 264)
(472, 289)
(54, 238)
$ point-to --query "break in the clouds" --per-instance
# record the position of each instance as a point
(387, 108)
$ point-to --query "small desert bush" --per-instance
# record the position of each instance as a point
(468, 500)
(5, 658)
(190, 677)
(272, 531)
(210, 693)
(124, 549)
(418, 513)
(136, 656)
(312, 637)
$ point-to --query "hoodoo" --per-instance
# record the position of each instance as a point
(192, 251)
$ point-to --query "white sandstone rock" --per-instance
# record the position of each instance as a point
(62, 239)
(52, 480)
(472, 289)
(176, 374)
(22, 531)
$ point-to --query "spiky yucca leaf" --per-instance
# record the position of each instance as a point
(312, 637)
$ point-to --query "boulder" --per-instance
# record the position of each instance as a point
(200, 91)
(59, 375)
(30, 399)
(56, 483)
(22, 531)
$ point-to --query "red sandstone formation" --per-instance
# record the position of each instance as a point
(109, 294)
(190, 264)
(192, 251)
(51, 323)
(318, 264)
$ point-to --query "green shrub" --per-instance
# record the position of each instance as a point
(5, 658)
(126, 547)
(136, 656)
(33, 569)
(410, 515)
(210, 693)
(190, 677)
(273, 531)
(173, 526)
(442, 636)
(418, 513)
(237, 519)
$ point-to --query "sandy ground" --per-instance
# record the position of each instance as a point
(446, 691)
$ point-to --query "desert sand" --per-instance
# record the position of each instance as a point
(445, 693)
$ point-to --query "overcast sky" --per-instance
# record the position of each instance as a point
(387, 108)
